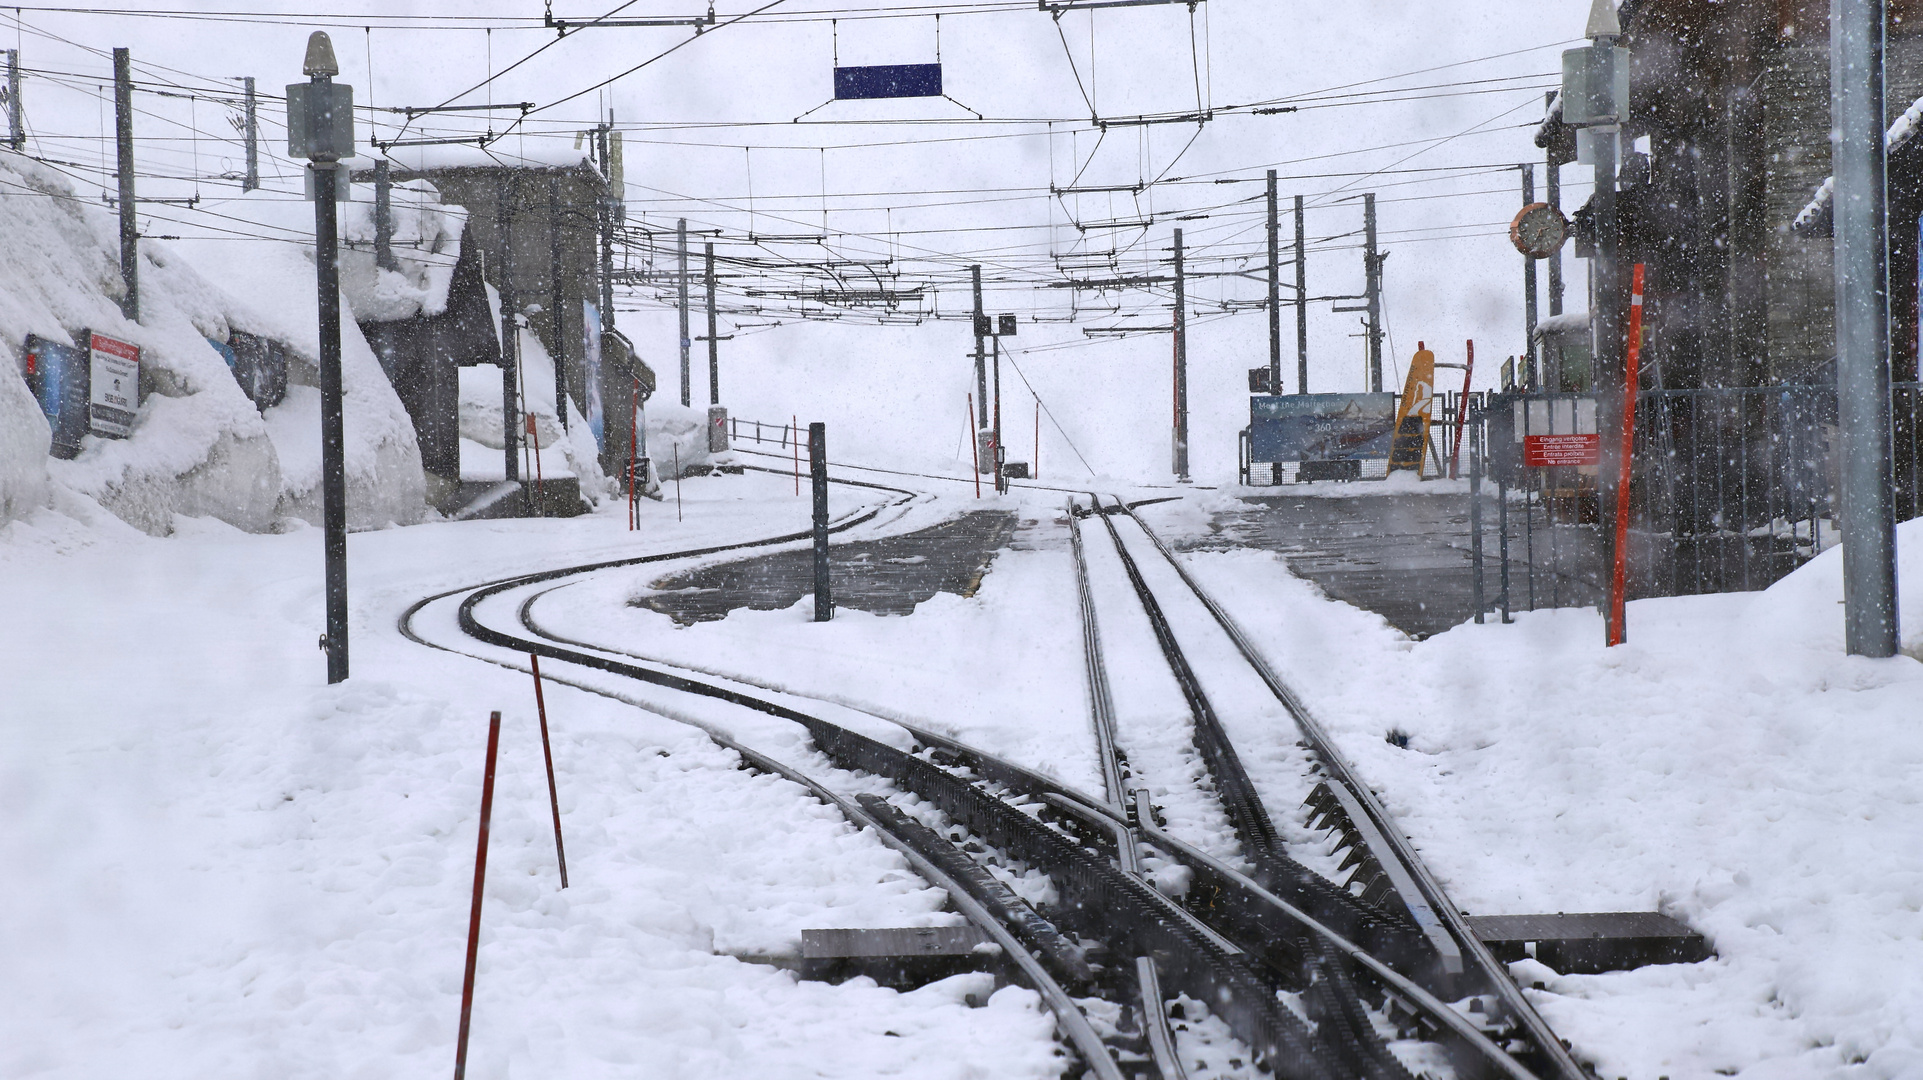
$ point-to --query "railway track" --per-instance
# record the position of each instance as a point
(1389, 913)
(1302, 973)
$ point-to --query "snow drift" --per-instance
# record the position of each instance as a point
(198, 447)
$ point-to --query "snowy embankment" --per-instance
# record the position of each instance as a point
(199, 447)
(1729, 765)
(221, 866)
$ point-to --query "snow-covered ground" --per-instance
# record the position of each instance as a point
(223, 866)
(1728, 765)
(219, 866)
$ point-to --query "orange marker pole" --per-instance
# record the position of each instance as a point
(1617, 574)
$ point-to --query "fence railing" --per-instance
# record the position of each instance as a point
(1731, 489)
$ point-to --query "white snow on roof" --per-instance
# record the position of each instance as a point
(1900, 133)
(1564, 323)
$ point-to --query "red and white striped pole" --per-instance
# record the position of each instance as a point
(1617, 574)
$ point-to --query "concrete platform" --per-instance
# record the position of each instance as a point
(886, 577)
(1403, 556)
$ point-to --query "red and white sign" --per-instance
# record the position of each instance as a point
(1539, 451)
(115, 390)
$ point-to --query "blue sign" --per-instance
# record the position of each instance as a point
(59, 376)
(1321, 427)
(887, 81)
(259, 365)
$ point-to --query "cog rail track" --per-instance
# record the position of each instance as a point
(1162, 949)
(1111, 934)
(1396, 935)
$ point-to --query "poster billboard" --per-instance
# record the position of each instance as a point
(1321, 427)
(57, 378)
(114, 393)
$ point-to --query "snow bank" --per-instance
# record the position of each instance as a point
(24, 437)
(675, 429)
(198, 446)
(563, 453)
(426, 245)
(272, 285)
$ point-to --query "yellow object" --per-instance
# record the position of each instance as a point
(1414, 413)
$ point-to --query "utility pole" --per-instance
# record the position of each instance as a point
(984, 455)
(681, 247)
(714, 343)
(1861, 213)
(981, 369)
(818, 485)
(1181, 367)
(510, 332)
(1372, 277)
(16, 128)
(251, 122)
(124, 143)
(384, 218)
(558, 321)
(1301, 304)
(1552, 174)
(1529, 289)
(606, 221)
(320, 127)
(1275, 293)
(1000, 456)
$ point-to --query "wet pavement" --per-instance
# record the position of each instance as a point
(1404, 557)
(885, 577)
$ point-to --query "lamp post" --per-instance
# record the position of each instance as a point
(320, 127)
(1595, 97)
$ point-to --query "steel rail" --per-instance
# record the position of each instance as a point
(1429, 891)
(1128, 907)
(1070, 1019)
(1248, 913)
(1343, 1020)
(1207, 966)
(1243, 804)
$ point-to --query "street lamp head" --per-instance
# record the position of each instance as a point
(320, 56)
(1603, 21)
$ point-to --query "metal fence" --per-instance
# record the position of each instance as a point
(1731, 489)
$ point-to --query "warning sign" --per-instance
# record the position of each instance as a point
(115, 393)
(1540, 451)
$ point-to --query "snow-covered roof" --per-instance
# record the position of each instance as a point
(1562, 324)
(1551, 120)
(1814, 218)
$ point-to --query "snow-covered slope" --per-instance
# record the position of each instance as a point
(199, 447)
(272, 286)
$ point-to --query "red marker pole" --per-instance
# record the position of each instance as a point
(794, 425)
(480, 877)
(547, 753)
(1617, 572)
(974, 446)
